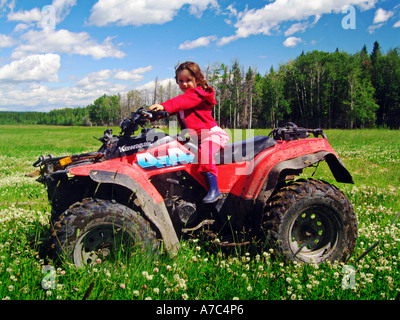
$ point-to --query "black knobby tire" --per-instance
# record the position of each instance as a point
(310, 221)
(94, 229)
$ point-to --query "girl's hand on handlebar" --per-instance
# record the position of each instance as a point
(156, 107)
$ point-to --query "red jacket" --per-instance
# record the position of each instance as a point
(196, 105)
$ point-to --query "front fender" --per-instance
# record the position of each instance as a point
(147, 198)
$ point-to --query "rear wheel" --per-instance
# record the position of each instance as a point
(311, 221)
(101, 229)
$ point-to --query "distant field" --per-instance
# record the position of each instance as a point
(200, 272)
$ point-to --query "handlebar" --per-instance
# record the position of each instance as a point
(153, 115)
(139, 118)
(145, 113)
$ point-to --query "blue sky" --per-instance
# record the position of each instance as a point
(67, 53)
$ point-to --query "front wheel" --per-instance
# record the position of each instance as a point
(311, 221)
(101, 229)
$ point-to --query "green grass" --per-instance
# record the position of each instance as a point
(199, 271)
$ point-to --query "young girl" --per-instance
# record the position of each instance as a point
(193, 109)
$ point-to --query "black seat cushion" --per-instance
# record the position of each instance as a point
(244, 150)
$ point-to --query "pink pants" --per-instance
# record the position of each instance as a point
(210, 142)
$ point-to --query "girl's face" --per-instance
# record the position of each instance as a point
(186, 80)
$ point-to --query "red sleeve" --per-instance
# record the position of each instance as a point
(188, 100)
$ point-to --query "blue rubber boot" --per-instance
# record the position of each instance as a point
(213, 192)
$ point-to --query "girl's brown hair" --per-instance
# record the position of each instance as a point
(195, 71)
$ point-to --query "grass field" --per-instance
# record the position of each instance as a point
(199, 271)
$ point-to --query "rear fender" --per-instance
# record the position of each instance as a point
(147, 197)
(335, 164)
(269, 166)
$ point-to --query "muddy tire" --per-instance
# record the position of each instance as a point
(100, 229)
(310, 221)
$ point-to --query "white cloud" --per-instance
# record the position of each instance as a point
(380, 18)
(95, 80)
(32, 68)
(6, 41)
(21, 27)
(61, 9)
(268, 19)
(368, 4)
(372, 28)
(43, 97)
(292, 42)
(297, 27)
(103, 78)
(200, 42)
(133, 75)
(397, 24)
(139, 12)
(382, 15)
(26, 16)
(64, 41)
(164, 82)
(225, 40)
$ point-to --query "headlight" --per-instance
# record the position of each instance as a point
(65, 161)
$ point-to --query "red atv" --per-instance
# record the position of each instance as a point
(142, 191)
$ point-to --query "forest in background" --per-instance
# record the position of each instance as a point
(316, 89)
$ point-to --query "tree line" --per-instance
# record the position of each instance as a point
(316, 89)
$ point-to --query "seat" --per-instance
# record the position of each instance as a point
(243, 150)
